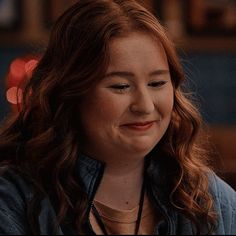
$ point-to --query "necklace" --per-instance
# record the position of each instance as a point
(139, 217)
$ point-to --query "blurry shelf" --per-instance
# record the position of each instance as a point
(187, 43)
(36, 14)
(23, 39)
(207, 43)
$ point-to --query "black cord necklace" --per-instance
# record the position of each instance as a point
(139, 217)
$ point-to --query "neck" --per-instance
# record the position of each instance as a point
(121, 185)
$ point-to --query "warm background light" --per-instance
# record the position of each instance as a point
(20, 71)
(14, 95)
(17, 71)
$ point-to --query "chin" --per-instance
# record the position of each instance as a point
(142, 148)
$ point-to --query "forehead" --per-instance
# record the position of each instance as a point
(137, 48)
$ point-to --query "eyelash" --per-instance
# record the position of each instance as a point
(124, 87)
(157, 84)
(120, 86)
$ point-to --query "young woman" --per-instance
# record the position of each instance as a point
(106, 142)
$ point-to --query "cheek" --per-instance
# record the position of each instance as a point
(107, 110)
(102, 110)
(166, 102)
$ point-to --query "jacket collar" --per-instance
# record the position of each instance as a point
(90, 172)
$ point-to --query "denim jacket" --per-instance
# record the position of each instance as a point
(15, 194)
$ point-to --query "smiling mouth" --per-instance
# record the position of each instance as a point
(141, 126)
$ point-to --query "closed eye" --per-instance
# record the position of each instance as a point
(120, 86)
(157, 84)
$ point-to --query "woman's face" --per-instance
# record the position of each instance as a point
(129, 110)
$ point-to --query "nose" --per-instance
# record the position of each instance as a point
(142, 102)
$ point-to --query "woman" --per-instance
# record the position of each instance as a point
(106, 142)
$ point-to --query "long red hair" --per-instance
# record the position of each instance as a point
(42, 142)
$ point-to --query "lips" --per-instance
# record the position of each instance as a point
(140, 126)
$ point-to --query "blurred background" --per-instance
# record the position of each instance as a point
(203, 31)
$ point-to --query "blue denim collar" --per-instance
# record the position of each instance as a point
(90, 172)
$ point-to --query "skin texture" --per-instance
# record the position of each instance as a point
(137, 88)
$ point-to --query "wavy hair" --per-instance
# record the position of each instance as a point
(42, 141)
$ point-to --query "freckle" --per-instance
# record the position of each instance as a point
(127, 203)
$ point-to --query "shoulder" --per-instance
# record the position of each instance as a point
(16, 192)
(10, 179)
(225, 204)
(13, 188)
(14, 195)
(221, 191)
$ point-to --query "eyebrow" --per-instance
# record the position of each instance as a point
(130, 74)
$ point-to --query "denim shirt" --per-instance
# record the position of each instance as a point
(15, 194)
